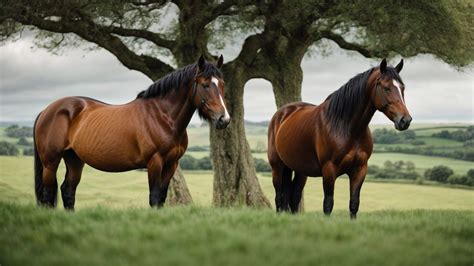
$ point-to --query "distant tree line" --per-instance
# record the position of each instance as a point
(394, 170)
(462, 153)
(188, 162)
(458, 135)
(444, 174)
(8, 149)
(390, 136)
(15, 131)
(199, 148)
(406, 170)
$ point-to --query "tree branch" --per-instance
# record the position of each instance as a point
(88, 30)
(341, 42)
(144, 34)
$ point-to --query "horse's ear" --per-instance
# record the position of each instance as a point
(383, 66)
(220, 61)
(201, 63)
(399, 67)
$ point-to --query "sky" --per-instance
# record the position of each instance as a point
(31, 78)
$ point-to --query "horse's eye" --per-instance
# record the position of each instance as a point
(386, 89)
(205, 86)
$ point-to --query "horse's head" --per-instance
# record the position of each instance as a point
(389, 95)
(208, 93)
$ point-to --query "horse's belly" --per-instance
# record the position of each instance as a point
(299, 156)
(107, 151)
(306, 166)
(111, 159)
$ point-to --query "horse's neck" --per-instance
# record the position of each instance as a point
(177, 107)
(363, 118)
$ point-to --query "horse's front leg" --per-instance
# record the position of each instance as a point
(357, 177)
(166, 175)
(155, 169)
(329, 178)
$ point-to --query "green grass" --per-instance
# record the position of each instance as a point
(130, 189)
(212, 236)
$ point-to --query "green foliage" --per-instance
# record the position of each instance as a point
(262, 165)
(28, 152)
(188, 162)
(15, 131)
(467, 180)
(410, 27)
(462, 153)
(9, 149)
(394, 170)
(461, 180)
(470, 173)
(439, 173)
(390, 136)
(23, 142)
(458, 135)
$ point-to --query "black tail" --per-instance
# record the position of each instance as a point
(38, 168)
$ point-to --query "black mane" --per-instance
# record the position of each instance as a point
(349, 99)
(177, 79)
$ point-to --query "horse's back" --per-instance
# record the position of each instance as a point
(291, 138)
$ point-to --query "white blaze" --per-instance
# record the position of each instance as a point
(216, 82)
(399, 90)
(226, 116)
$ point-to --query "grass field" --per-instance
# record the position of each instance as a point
(213, 236)
(130, 189)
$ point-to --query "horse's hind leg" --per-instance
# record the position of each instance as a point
(49, 186)
(282, 184)
(299, 181)
(74, 167)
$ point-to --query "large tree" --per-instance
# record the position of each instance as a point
(277, 35)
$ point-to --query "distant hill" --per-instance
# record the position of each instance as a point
(258, 124)
(20, 123)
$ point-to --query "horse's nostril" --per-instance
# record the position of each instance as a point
(221, 118)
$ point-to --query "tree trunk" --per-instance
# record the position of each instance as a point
(178, 192)
(235, 179)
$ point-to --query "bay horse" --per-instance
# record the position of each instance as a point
(148, 132)
(333, 138)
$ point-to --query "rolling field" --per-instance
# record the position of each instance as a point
(422, 162)
(130, 189)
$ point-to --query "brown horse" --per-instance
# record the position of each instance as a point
(333, 138)
(149, 132)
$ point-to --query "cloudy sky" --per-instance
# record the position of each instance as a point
(30, 79)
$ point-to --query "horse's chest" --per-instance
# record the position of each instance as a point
(350, 158)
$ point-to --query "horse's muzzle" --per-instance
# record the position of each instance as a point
(222, 122)
(403, 123)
